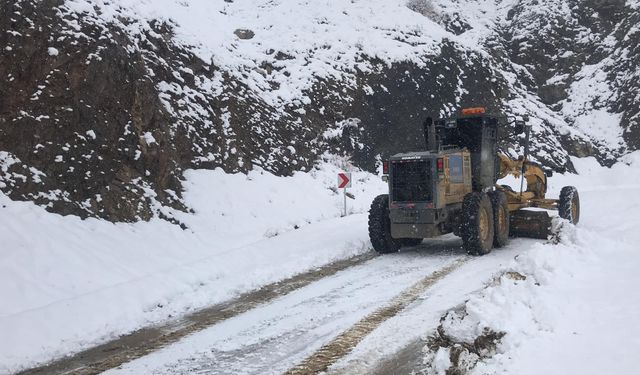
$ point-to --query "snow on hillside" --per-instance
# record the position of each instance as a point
(68, 283)
(282, 49)
(295, 44)
(304, 42)
(140, 91)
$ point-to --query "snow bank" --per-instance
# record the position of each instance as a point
(567, 307)
(67, 283)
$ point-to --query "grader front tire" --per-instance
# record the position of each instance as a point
(477, 229)
(569, 204)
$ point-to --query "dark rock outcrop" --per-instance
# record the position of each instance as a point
(96, 120)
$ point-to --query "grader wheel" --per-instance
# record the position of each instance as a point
(569, 204)
(500, 218)
(477, 227)
(380, 227)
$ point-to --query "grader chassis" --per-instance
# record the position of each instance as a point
(452, 187)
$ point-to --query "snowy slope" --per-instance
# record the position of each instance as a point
(326, 39)
(176, 85)
(68, 283)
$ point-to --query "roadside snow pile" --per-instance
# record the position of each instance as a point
(505, 313)
(67, 284)
(562, 307)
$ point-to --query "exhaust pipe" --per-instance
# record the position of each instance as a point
(430, 134)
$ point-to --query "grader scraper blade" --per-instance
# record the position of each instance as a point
(533, 224)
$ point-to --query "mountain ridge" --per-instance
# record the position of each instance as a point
(106, 104)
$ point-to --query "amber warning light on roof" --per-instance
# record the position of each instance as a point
(473, 111)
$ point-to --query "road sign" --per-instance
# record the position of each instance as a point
(344, 180)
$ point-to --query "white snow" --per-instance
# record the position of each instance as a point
(324, 40)
(576, 312)
(602, 126)
(53, 51)
(148, 138)
(118, 277)
(275, 336)
(80, 282)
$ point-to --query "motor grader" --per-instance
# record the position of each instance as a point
(452, 188)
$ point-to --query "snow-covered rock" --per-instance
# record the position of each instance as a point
(240, 84)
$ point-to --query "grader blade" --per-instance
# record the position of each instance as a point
(533, 224)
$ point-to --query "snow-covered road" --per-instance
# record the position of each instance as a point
(565, 310)
(575, 312)
(278, 335)
(573, 294)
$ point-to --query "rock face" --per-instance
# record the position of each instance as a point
(100, 116)
(105, 125)
(581, 60)
(81, 120)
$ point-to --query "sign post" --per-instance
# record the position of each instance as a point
(344, 182)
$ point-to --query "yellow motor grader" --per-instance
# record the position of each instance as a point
(452, 187)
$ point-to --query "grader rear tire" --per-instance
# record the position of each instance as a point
(477, 230)
(380, 226)
(569, 204)
(500, 218)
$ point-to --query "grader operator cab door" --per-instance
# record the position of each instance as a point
(479, 135)
(457, 177)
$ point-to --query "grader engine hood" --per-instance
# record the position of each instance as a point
(412, 191)
(411, 180)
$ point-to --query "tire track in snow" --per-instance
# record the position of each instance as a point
(149, 339)
(342, 345)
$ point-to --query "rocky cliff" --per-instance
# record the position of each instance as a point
(103, 105)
